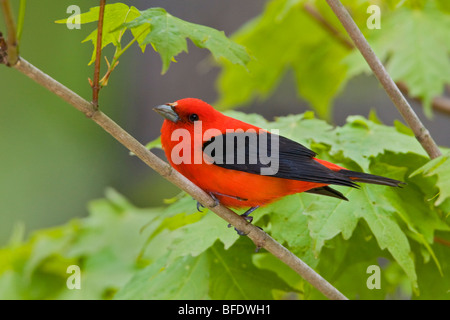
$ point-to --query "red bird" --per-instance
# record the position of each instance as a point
(227, 158)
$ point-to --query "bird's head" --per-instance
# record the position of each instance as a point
(185, 112)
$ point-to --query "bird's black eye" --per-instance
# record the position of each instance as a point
(193, 117)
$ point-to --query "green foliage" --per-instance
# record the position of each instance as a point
(415, 45)
(175, 252)
(114, 16)
(166, 33)
(286, 39)
(282, 39)
(168, 37)
(439, 167)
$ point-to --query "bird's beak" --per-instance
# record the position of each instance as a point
(167, 112)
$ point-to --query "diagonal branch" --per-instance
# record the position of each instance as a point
(259, 237)
(411, 118)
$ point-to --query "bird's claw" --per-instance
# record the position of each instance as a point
(248, 218)
(199, 205)
(241, 233)
(216, 202)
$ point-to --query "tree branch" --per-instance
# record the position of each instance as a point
(12, 46)
(95, 85)
(259, 237)
(441, 104)
(421, 133)
(442, 241)
(316, 15)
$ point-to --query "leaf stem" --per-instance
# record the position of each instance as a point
(21, 19)
(119, 51)
(411, 118)
(95, 85)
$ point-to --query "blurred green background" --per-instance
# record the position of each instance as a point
(54, 160)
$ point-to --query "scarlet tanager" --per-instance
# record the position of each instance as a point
(241, 165)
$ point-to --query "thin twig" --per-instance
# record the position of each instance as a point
(259, 237)
(441, 104)
(421, 133)
(95, 85)
(442, 241)
(316, 15)
(117, 54)
(11, 41)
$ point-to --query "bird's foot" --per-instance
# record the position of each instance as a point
(248, 218)
(216, 202)
(199, 205)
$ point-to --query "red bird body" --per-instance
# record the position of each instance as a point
(240, 185)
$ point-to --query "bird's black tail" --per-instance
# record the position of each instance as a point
(370, 178)
(356, 177)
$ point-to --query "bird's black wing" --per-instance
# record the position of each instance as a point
(269, 154)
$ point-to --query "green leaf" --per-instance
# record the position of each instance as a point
(345, 263)
(360, 139)
(185, 278)
(432, 285)
(279, 42)
(321, 76)
(114, 16)
(217, 230)
(175, 252)
(305, 129)
(332, 217)
(216, 273)
(441, 168)
(166, 33)
(415, 44)
(168, 37)
(106, 247)
(235, 277)
(290, 226)
(154, 144)
(269, 262)
(421, 60)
